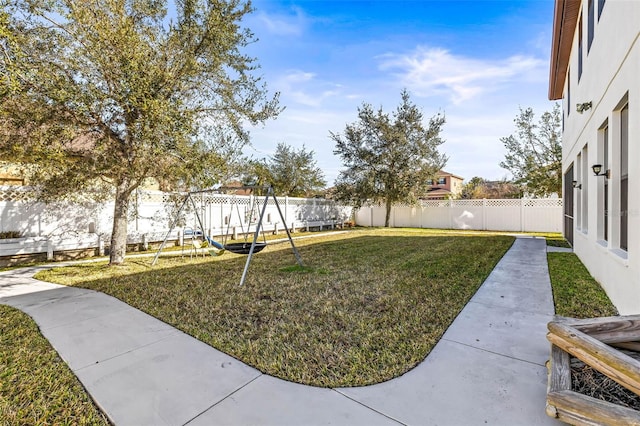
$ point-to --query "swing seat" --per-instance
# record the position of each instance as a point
(244, 248)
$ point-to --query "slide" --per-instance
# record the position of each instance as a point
(214, 243)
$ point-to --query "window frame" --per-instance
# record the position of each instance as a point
(580, 48)
(590, 24)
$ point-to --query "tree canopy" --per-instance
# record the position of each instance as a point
(119, 91)
(289, 171)
(479, 188)
(388, 159)
(534, 152)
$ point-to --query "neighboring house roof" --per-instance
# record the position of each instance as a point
(439, 193)
(564, 26)
(242, 189)
(444, 173)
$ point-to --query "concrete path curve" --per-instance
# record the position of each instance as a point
(488, 369)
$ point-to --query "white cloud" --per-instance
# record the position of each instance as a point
(303, 88)
(284, 24)
(297, 76)
(438, 72)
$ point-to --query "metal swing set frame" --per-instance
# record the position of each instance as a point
(234, 248)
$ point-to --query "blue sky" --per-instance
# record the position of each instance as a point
(475, 61)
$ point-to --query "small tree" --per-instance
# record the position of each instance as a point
(478, 188)
(388, 159)
(114, 92)
(471, 189)
(289, 172)
(534, 153)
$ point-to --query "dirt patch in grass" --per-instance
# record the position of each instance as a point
(36, 386)
(368, 305)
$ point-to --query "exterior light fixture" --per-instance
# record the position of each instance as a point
(585, 106)
(597, 170)
(576, 184)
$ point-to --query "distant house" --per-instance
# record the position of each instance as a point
(446, 185)
(595, 69)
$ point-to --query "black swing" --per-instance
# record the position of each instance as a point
(246, 246)
(253, 247)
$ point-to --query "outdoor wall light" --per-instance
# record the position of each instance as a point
(576, 184)
(585, 106)
(597, 170)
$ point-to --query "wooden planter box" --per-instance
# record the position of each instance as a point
(592, 341)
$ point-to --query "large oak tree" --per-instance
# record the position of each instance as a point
(534, 152)
(290, 171)
(119, 91)
(388, 159)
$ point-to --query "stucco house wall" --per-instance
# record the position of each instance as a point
(450, 188)
(601, 110)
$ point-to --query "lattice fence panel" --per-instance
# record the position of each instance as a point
(503, 203)
(543, 215)
(15, 194)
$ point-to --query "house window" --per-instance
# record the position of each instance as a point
(442, 181)
(600, 7)
(568, 91)
(580, 48)
(584, 191)
(603, 202)
(578, 193)
(624, 176)
(430, 182)
(590, 24)
(567, 194)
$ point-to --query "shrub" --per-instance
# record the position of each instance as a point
(10, 234)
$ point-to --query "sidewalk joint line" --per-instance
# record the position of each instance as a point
(171, 334)
(366, 406)
(223, 399)
(495, 353)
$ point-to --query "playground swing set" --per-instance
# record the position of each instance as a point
(238, 248)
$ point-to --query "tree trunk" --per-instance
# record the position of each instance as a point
(119, 231)
(388, 214)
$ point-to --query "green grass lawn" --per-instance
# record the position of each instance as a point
(36, 386)
(576, 293)
(368, 306)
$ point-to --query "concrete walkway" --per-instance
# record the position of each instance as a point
(487, 369)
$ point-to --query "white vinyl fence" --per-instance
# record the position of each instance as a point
(65, 226)
(517, 215)
(48, 228)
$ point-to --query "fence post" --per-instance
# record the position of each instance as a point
(484, 214)
(100, 246)
(393, 216)
(49, 249)
(450, 213)
(286, 209)
(181, 237)
(522, 203)
(145, 242)
(223, 200)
